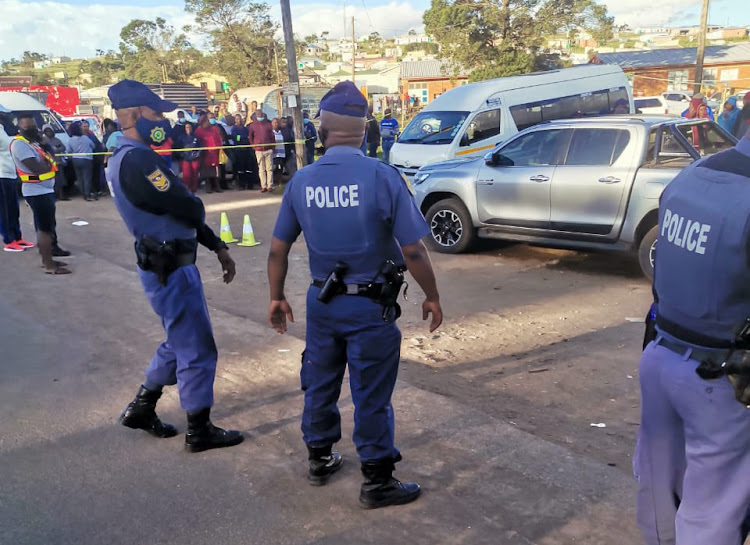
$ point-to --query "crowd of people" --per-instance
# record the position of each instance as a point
(734, 119)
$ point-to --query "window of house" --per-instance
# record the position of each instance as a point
(677, 80)
(710, 76)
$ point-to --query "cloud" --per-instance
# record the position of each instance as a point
(76, 31)
(667, 12)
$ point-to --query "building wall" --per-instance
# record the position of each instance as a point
(434, 87)
(655, 81)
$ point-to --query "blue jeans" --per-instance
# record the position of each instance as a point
(387, 145)
(10, 225)
(84, 174)
(692, 458)
(188, 355)
(350, 329)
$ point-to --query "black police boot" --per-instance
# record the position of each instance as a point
(381, 489)
(203, 435)
(140, 414)
(323, 464)
(59, 252)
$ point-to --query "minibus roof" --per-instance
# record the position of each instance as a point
(471, 97)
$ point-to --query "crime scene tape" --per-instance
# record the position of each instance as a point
(166, 151)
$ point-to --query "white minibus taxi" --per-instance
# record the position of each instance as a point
(472, 119)
(21, 103)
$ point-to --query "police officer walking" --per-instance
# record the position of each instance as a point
(168, 223)
(361, 226)
(388, 132)
(692, 459)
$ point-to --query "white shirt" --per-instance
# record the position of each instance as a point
(7, 166)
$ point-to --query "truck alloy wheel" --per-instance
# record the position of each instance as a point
(451, 230)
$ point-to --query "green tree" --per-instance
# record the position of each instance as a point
(241, 35)
(154, 51)
(497, 38)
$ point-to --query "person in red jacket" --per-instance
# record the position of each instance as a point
(263, 141)
(210, 137)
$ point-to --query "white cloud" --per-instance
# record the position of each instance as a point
(661, 12)
(76, 31)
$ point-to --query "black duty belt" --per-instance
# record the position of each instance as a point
(363, 290)
(697, 354)
(183, 260)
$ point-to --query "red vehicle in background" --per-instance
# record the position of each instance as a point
(61, 100)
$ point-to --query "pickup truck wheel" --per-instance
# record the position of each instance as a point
(647, 252)
(451, 230)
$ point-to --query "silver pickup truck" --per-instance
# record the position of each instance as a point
(589, 183)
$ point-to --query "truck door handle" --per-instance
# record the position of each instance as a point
(539, 178)
(610, 180)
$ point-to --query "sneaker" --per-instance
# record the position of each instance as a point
(13, 247)
(263, 190)
(22, 242)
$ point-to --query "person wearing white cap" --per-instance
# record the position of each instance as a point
(10, 226)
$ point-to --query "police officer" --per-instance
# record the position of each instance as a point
(360, 222)
(167, 223)
(692, 458)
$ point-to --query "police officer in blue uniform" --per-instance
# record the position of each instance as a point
(361, 227)
(692, 459)
(167, 223)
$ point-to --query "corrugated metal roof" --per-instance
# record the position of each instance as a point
(715, 54)
(428, 69)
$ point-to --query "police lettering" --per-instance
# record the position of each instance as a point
(342, 196)
(685, 233)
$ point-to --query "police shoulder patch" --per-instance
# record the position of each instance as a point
(159, 180)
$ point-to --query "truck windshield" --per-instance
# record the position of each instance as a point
(433, 128)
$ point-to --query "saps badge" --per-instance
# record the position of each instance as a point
(159, 180)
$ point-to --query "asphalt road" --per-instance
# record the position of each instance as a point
(493, 411)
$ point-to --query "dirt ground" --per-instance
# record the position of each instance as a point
(494, 410)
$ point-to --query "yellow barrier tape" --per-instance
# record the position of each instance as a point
(165, 151)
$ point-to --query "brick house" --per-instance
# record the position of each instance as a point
(427, 80)
(660, 70)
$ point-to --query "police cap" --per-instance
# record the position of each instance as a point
(129, 93)
(344, 99)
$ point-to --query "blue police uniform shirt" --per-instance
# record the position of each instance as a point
(153, 201)
(351, 208)
(702, 272)
(389, 129)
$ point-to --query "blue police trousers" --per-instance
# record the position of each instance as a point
(350, 329)
(188, 356)
(692, 458)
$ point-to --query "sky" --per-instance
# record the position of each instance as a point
(77, 28)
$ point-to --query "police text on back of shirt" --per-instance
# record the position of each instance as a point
(342, 196)
(684, 233)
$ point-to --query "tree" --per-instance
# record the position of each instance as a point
(30, 57)
(154, 51)
(497, 38)
(241, 35)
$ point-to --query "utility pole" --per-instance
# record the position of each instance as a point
(291, 61)
(354, 48)
(698, 79)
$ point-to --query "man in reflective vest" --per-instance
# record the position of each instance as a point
(36, 169)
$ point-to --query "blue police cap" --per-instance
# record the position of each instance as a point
(129, 93)
(344, 99)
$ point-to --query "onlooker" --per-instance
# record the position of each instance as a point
(83, 163)
(238, 106)
(36, 168)
(253, 173)
(290, 162)
(254, 108)
(191, 160)
(743, 119)
(311, 136)
(373, 134)
(209, 137)
(242, 153)
(727, 119)
(279, 153)
(98, 171)
(388, 133)
(10, 225)
(262, 139)
(694, 110)
(55, 147)
(111, 142)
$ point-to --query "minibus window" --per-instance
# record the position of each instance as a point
(433, 128)
(483, 126)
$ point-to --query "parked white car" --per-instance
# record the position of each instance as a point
(651, 105)
(677, 101)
